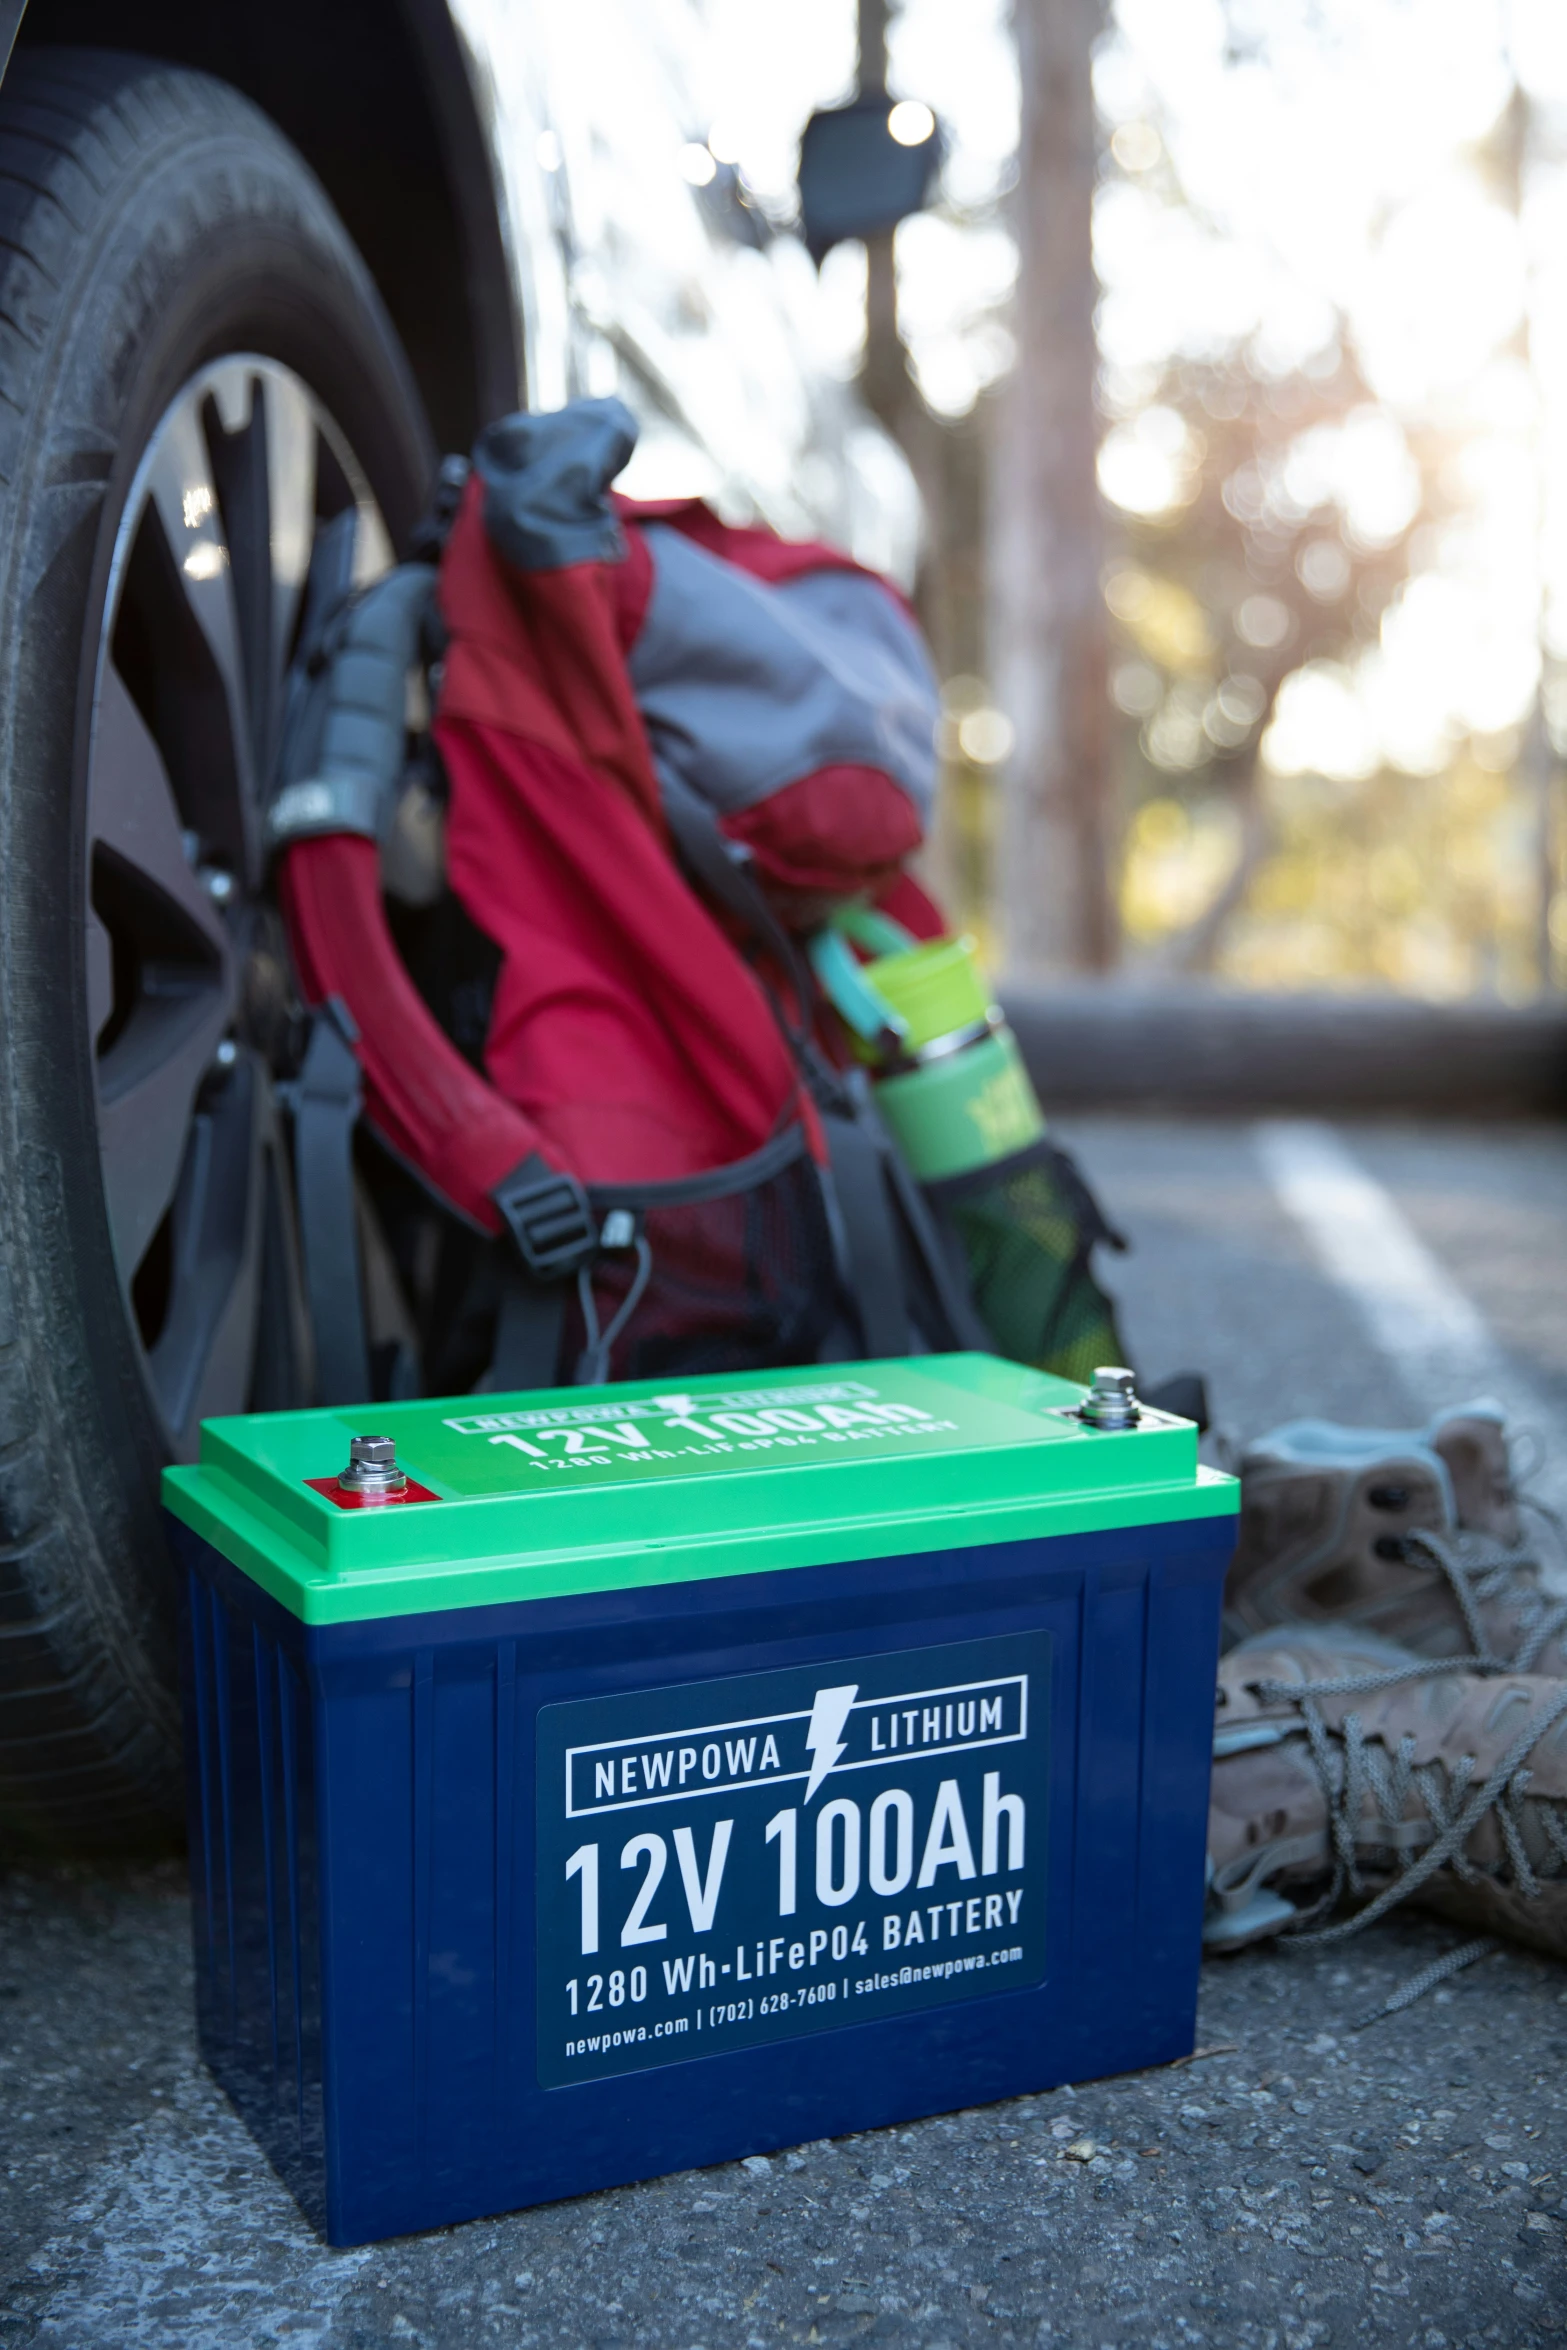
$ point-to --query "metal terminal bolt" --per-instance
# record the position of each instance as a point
(1111, 1402)
(372, 1468)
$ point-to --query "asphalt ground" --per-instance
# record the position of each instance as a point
(1297, 2183)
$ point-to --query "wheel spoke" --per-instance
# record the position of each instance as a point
(248, 506)
(146, 1091)
(100, 975)
(201, 1360)
(291, 499)
(261, 435)
(184, 495)
(131, 813)
(234, 428)
(175, 972)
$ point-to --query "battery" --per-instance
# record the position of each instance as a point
(658, 1777)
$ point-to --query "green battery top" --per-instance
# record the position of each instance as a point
(589, 1489)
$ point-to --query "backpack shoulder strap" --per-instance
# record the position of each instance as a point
(326, 1110)
(345, 733)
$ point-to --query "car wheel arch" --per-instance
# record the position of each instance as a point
(390, 121)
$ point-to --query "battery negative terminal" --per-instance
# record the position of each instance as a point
(1111, 1402)
(372, 1470)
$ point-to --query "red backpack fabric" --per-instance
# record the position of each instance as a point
(636, 1043)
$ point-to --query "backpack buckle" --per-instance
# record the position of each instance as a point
(550, 1219)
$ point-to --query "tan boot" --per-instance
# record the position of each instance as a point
(1414, 1536)
(1345, 1769)
(1471, 1443)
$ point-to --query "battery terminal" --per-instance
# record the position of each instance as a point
(372, 1472)
(1111, 1402)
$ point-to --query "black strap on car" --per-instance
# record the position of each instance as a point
(327, 1098)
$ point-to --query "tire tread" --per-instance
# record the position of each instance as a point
(88, 1732)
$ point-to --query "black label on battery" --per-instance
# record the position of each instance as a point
(730, 1862)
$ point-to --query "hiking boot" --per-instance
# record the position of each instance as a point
(1344, 1767)
(1471, 1443)
(1413, 1535)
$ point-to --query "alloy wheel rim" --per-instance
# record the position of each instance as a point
(246, 498)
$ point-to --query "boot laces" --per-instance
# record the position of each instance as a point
(1352, 1769)
(1478, 1569)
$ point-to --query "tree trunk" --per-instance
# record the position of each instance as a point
(1047, 535)
(884, 374)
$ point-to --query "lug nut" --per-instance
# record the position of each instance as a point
(1111, 1402)
(372, 1468)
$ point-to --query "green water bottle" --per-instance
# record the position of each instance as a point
(953, 1088)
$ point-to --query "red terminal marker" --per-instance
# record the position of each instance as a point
(372, 1479)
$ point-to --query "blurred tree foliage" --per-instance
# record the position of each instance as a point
(1251, 571)
(1277, 540)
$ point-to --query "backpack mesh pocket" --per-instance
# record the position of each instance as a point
(741, 1272)
(1028, 1227)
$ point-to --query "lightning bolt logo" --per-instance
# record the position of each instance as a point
(823, 1740)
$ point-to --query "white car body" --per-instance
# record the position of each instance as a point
(628, 282)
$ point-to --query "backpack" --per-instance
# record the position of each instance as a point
(554, 945)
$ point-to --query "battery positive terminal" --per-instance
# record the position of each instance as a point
(1111, 1402)
(372, 1472)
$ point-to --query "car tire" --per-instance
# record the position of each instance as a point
(152, 225)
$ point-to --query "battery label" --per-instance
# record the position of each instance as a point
(731, 1862)
(781, 1425)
